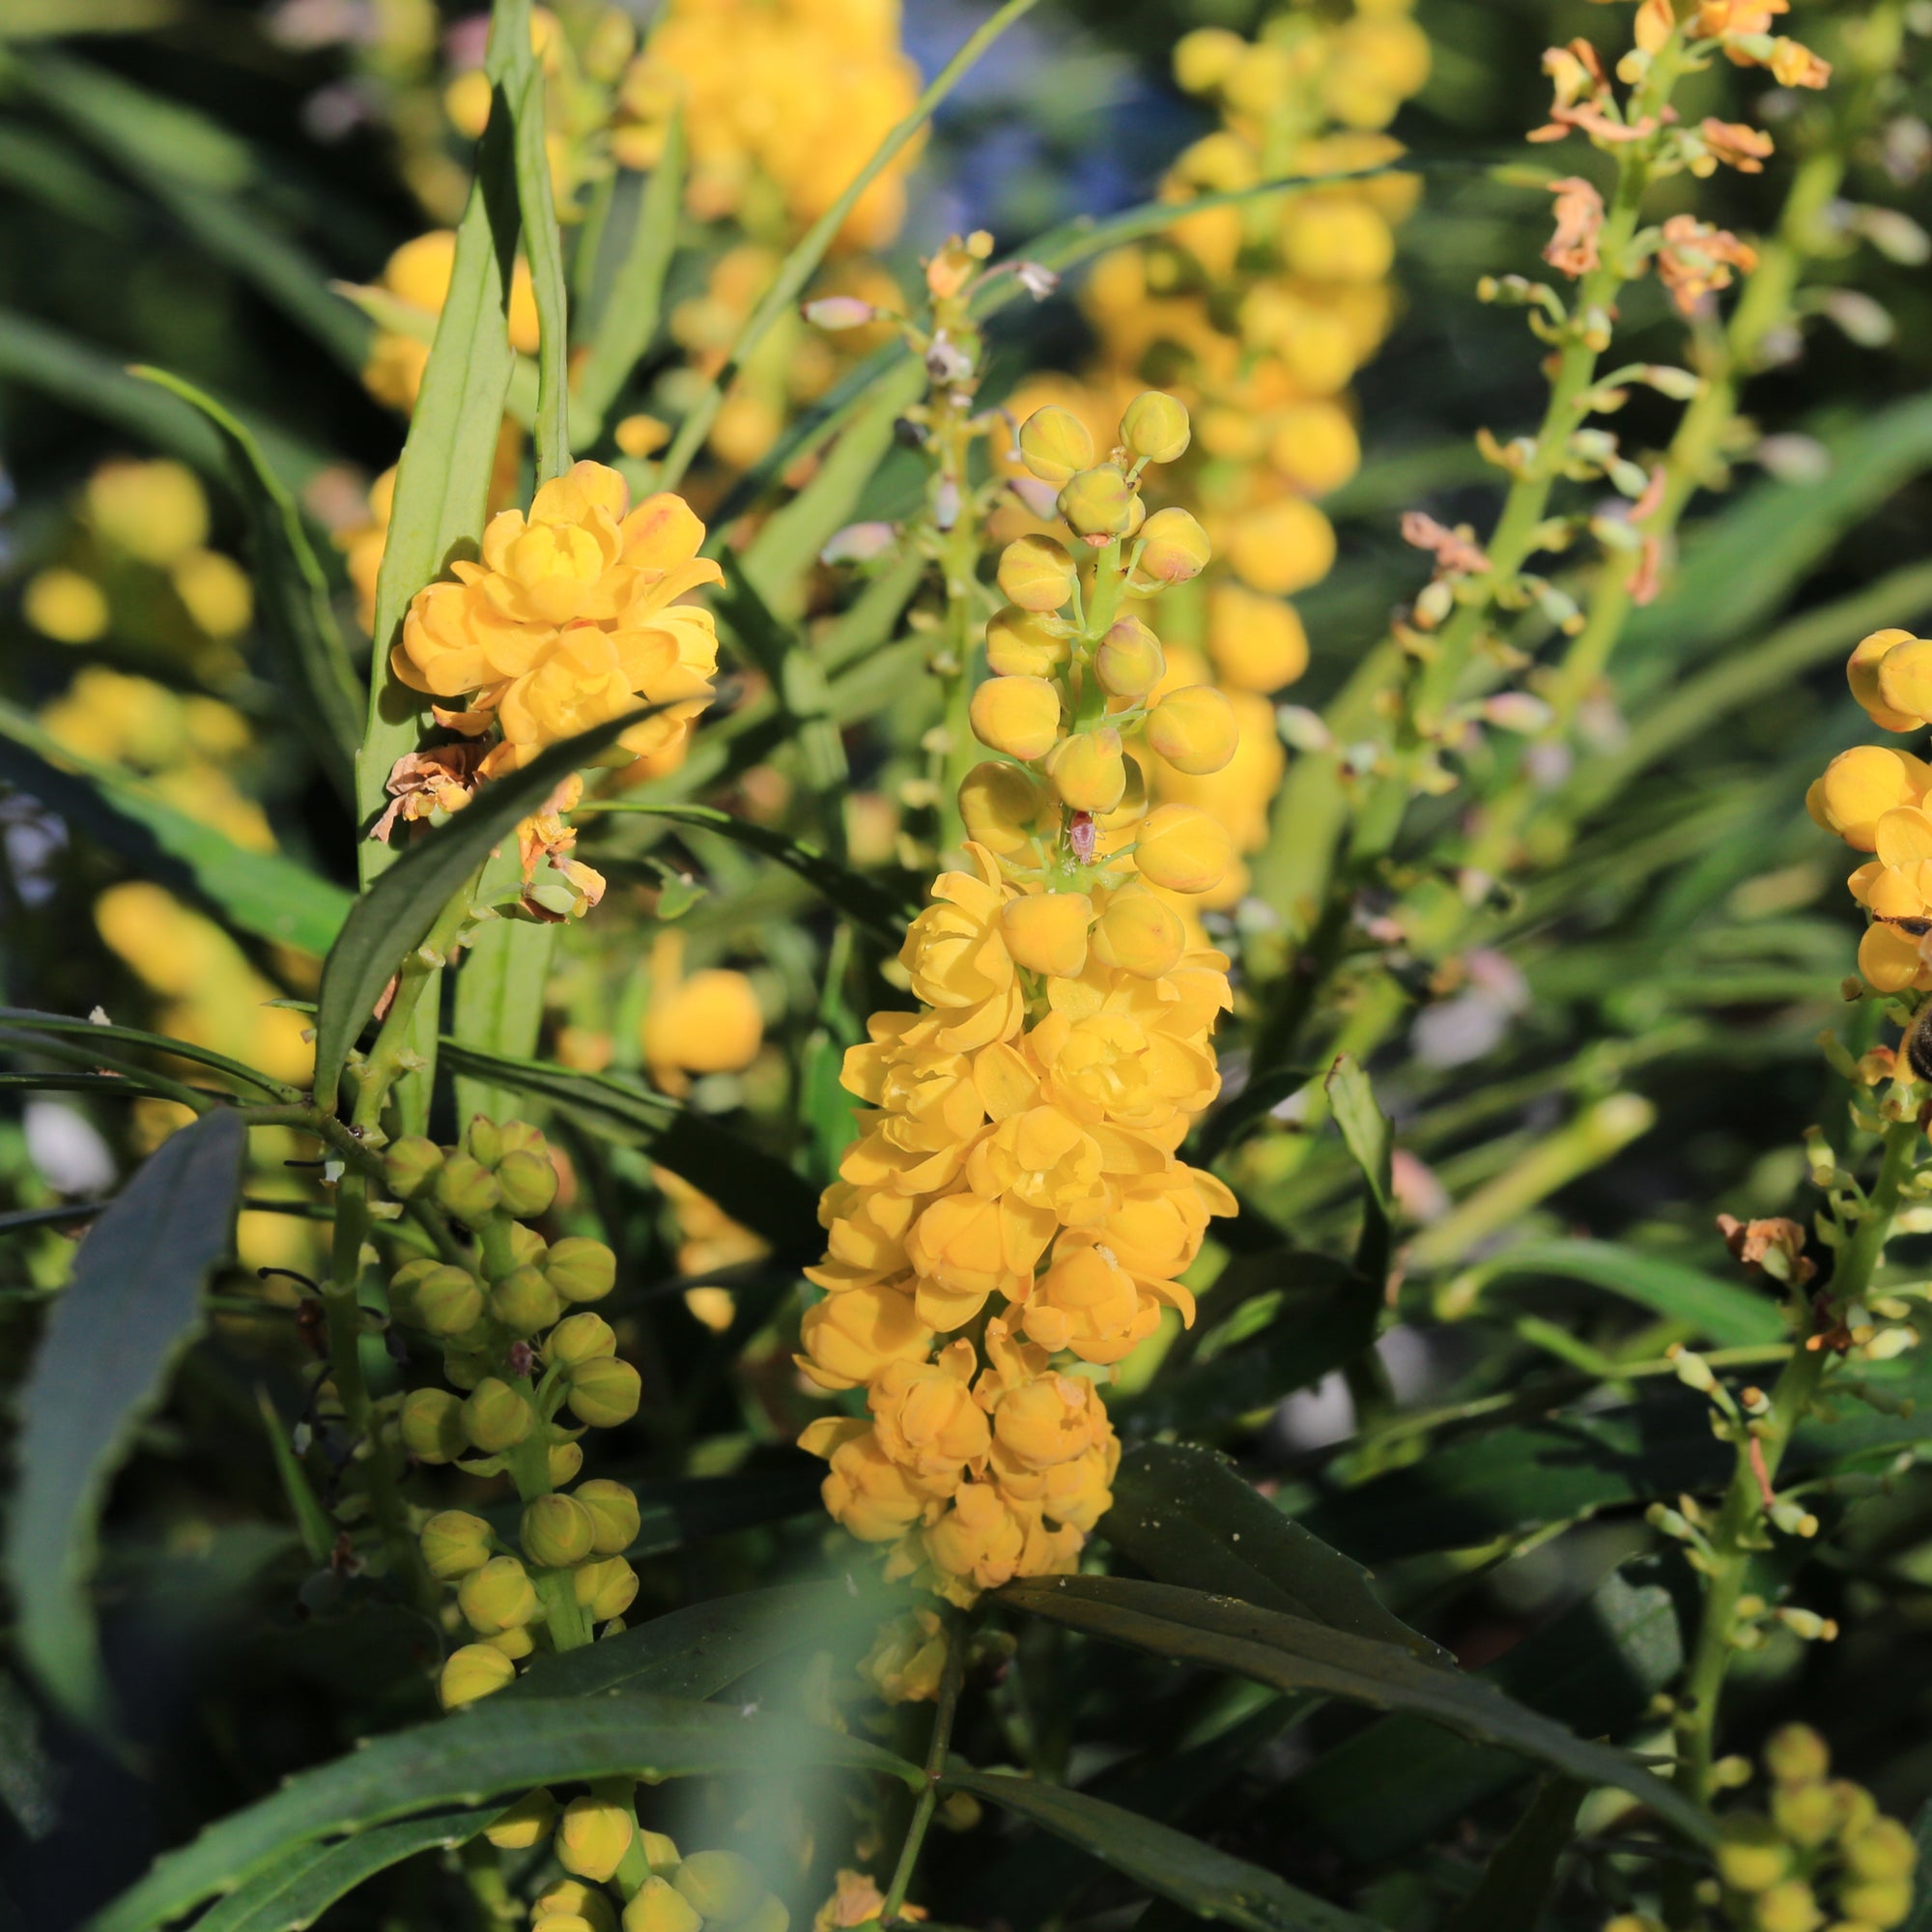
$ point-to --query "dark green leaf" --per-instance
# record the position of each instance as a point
(1208, 1883)
(797, 677)
(1295, 1654)
(132, 1305)
(26, 1017)
(312, 1522)
(1921, 1897)
(1185, 1514)
(1518, 1880)
(497, 1748)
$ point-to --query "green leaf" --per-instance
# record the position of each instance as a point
(1231, 1121)
(262, 892)
(133, 1305)
(629, 317)
(500, 1000)
(1517, 1881)
(500, 1747)
(1371, 1142)
(1293, 1654)
(330, 701)
(1921, 1897)
(12, 1018)
(762, 1193)
(883, 910)
(1184, 1514)
(394, 914)
(312, 1522)
(400, 317)
(543, 245)
(678, 1510)
(1211, 1884)
(798, 683)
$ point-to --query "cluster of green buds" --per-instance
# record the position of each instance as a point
(597, 1840)
(526, 1360)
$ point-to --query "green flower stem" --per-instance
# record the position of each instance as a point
(952, 1679)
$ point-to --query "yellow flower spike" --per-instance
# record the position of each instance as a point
(1046, 932)
(495, 1417)
(1019, 716)
(432, 1425)
(1037, 573)
(1858, 787)
(592, 1838)
(849, 1338)
(1861, 674)
(1088, 770)
(720, 1886)
(1026, 643)
(614, 1516)
(1098, 504)
(65, 606)
(498, 1597)
(473, 1671)
(984, 1541)
(604, 1392)
(1182, 849)
(527, 1821)
(1138, 933)
(556, 1532)
(1155, 427)
(1130, 661)
(1005, 807)
(1055, 444)
(658, 1907)
(1258, 643)
(570, 1899)
(1193, 729)
(454, 1543)
(1173, 548)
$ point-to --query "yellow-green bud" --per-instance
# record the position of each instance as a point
(660, 1853)
(769, 1915)
(527, 1183)
(1795, 1753)
(1054, 444)
(527, 1821)
(454, 1543)
(447, 1300)
(556, 1532)
(613, 1515)
(659, 1907)
(465, 1189)
(719, 1885)
(1026, 644)
(1130, 661)
(604, 1392)
(1751, 1854)
(1088, 770)
(1788, 1907)
(1155, 427)
(1808, 1814)
(466, 1367)
(1883, 1850)
(498, 1597)
(1097, 503)
(495, 1417)
(1193, 729)
(1037, 573)
(1019, 716)
(1204, 58)
(1856, 1806)
(474, 1671)
(565, 1921)
(1878, 1902)
(1174, 547)
(580, 1269)
(592, 1838)
(523, 1301)
(432, 1425)
(527, 1249)
(410, 1165)
(483, 1140)
(565, 1460)
(1183, 848)
(1046, 932)
(580, 1338)
(403, 1286)
(1136, 933)
(606, 1589)
(513, 1642)
(571, 1896)
(1003, 806)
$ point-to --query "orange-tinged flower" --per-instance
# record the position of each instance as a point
(1695, 260)
(926, 1421)
(1579, 220)
(974, 1246)
(984, 1541)
(850, 1337)
(874, 1497)
(957, 960)
(1087, 1302)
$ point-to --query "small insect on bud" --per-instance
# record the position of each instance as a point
(836, 312)
(1138, 933)
(447, 1300)
(1039, 574)
(1055, 444)
(432, 1425)
(1046, 932)
(720, 1886)
(580, 1338)
(592, 1838)
(454, 1543)
(1098, 504)
(1184, 849)
(613, 1515)
(527, 1183)
(410, 1165)
(1193, 729)
(1130, 661)
(524, 1301)
(556, 1532)
(1019, 716)
(525, 1823)
(474, 1671)
(1026, 644)
(1088, 770)
(1751, 1856)
(495, 1417)
(580, 1269)
(498, 1597)
(604, 1392)
(1174, 547)
(466, 1189)
(1155, 427)
(606, 1589)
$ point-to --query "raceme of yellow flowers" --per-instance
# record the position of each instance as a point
(1013, 1218)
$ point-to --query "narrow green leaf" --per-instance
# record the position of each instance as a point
(499, 995)
(543, 245)
(762, 1193)
(420, 325)
(1371, 1140)
(300, 619)
(1211, 1884)
(497, 1748)
(1293, 1654)
(262, 892)
(312, 1523)
(13, 1018)
(133, 1305)
(1921, 1897)
(629, 318)
(394, 914)
(1184, 1514)
(1518, 1879)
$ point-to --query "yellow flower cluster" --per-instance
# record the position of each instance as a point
(571, 617)
(1013, 1217)
(1874, 798)
(521, 1345)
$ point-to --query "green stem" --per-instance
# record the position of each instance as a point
(951, 1682)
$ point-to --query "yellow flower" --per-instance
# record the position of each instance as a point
(1044, 1158)
(1859, 786)
(925, 1419)
(1040, 1417)
(1087, 1302)
(709, 1023)
(850, 1337)
(971, 1247)
(65, 606)
(154, 511)
(984, 1541)
(874, 1497)
(958, 961)
(905, 1665)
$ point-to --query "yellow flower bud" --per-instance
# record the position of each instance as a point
(1862, 673)
(709, 1023)
(215, 592)
(1206, 57)
(445, 1300)
(1088, 771)
(613, 1515)
(1905, 679)
(1130, 661)
(1258, 643)
(572, 1899)
(1138, 933)
(606, 1589)
(1881, 1903)
(1883, 1850)
(579, 1337)
(580, 1269)
(555, 1532)
(1315, 446)
(1155, 427)
(65, 606)
(769, 1915)
(1098, 504)
(1789, 1907)
(467, 1189)
(471, 1672)
(528, 1820)
(498, 1597)
(527, 1183)
(455, 1542)
(1335, 238)
(1174, 547)
(1005, 807)
(1037, 573)
(1026, 644)
(1858, 1809)
(1283, 546)
(1751, 1854)
(718, 1886)
(409, 1164)
(1055, 443)
(524, 1301)
(432, 1425)
(592, 1838)
(1859, 786)
(604, 1392)
(661, 1854)
(1184, 849)
(659, 1907)
(1808, 1814)
(1193, 729)
(564, 1461)
(495, 1417)
(1046, 932)
(1019, 716)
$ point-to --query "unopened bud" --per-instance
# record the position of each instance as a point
(1883, 1850)
(464, 1188)
(592, 1838)
(1019, 716)
(1046, 932)
(1004, 806)
(659, 1907)
(410, 1165)
(1155, 427)
(836, 312)
(454, 1543)
(1193, 729)
(1184, 849)
(474, 1671)
(495, 1416)
(580, 1269)
(1138, 933)
(1876, 1902)
(572, 1899)
(1174, 547)
(483, 1140)
(720, 1886)
(606, 1589)
(1808, 1814)
(1055, 444)
(580, 1338)
(1751, 1856)
(564, 1460)
(524, 1301)
(1097, 503)
(1037, 573)
(1789, 1907)
(1130, 661)
(604, 1392)
(556, 1532)
(432, 1425)
(1796, 1754)
(447, 1300)
(1088, 771)
(527, 1183)
(1026, 644)
(498, 1597)
(613, 1515)
(527, 1821)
